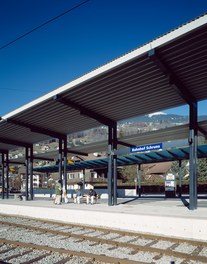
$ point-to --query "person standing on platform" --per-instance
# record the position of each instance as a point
(58, 192)
(65, 197)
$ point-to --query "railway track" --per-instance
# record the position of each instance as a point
(27, 240)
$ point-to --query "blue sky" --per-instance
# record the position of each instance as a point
(88, 37)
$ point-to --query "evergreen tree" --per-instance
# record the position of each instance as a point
(129, 173)
(184, 169)
(202, 170)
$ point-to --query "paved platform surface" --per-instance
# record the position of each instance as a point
(149, 214)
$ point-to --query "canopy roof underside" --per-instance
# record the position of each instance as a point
(170, 71)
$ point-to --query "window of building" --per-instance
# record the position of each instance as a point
(93, 175)
(71, 176)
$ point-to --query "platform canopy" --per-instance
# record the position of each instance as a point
(139, 158)
(175, 136)
(167, 72)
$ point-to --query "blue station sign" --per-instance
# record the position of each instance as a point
(144, 148)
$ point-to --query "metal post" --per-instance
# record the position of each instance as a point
(109, 166)
(193, 156)
(65, 164)
(84, 179)
(60, 163)
(60, 159)
(180, 179)
(26, 172)
(115, 164)
(139, 180)
(3, 184)
(47, 176)
(31, 173)
(7, 175)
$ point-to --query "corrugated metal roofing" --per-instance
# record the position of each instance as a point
(167, 72)
(139, 158)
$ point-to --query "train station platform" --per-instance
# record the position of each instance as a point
(154, 215)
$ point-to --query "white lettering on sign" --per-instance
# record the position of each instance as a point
(147, 147)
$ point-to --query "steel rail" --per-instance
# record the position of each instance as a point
(110, 230)
(70, 253)
(115, 244)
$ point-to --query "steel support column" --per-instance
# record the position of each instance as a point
(84, 178)
(115, 164)
(60, 160)
(180, 179)
(27, 171)
(2, 176)
(7, 175)
(31, 172)
(193, 155)
(65, 164)
(109, 178)
(139, 180)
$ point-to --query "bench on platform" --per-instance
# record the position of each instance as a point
(17, 196)
(84, 198)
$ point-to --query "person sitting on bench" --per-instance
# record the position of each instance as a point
(77, 196)
(91, 196)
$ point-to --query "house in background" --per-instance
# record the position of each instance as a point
(88, 176)
(39, 179)
(156, 172)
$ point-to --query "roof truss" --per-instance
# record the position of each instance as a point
(173, 79)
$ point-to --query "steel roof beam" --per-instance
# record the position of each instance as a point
(128, 159)
(14, 142)
(43, 158)
(75, 166)
(16, 162)
(85, 111)
(125, 144)
(174, 81)
(37, 129)
(104, 162)
(77, 152)
(160, 155)
(92, 162)
(152, 158)
(200, 152)
(173, 155)
(202, 131)
(141, 158)
(3, 151)
(185, 152)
